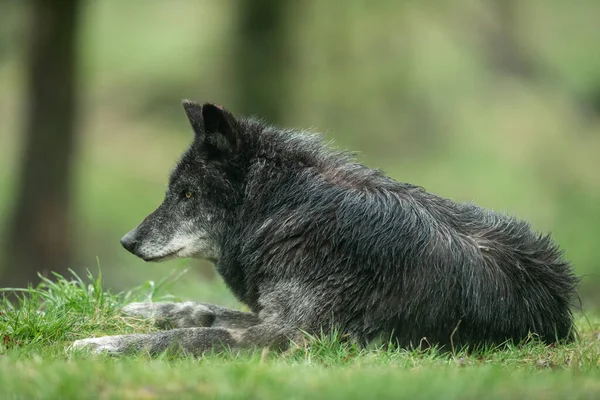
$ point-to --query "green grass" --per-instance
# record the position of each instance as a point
(36, 332)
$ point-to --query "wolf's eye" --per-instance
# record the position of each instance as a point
(186, 194)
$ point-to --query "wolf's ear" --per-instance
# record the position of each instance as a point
(214, 126)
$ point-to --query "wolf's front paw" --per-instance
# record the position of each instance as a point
(159, 312)
(105, 344)
(147, 310)
(173, 315)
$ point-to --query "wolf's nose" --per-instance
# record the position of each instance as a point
(129, 242)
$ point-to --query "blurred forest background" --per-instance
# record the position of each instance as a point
(491, 101)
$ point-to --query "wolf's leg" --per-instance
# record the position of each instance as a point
(192, 314)
(193, 340)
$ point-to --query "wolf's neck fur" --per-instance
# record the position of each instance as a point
(305, 150)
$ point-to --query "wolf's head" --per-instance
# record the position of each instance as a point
(203, 191)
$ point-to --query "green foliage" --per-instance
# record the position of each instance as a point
(412, 86)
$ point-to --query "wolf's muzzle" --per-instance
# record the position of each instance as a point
(130, 242)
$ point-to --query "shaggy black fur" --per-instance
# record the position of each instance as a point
(312, 239)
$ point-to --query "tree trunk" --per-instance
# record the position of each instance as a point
(38, 235)
(505, 47)
(261, 58)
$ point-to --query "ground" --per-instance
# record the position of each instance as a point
(35, 361)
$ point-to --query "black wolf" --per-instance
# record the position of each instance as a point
(311, 240)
